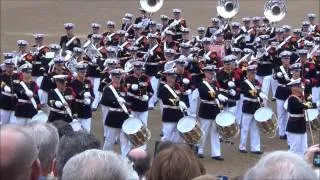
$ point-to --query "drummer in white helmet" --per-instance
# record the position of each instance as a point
(210, 104)
(26, 92)
(173, 107)
(114, 98)
(252, 97)
(296, 127)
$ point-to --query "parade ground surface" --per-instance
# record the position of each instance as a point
(20, 19)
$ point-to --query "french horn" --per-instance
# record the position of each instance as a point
(227, 8)
(275, 10)
(151, 6)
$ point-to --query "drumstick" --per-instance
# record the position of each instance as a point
(307, 118)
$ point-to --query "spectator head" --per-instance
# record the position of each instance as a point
(163, 145)
(280, 165)
(141, 161)
(98, 165)
(72, 144)
(62, 127)
(18, 154)
(47, 139)
(176, 162)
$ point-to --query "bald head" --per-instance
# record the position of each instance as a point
(141, 160)
(18, 153)
(137, 153)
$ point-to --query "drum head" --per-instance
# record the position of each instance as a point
(263, 114)
(225, 118)
(131, 125)
(312, 114)
(186, 124)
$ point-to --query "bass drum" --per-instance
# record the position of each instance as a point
(227, 126)
(266, 121)
(313, 118)
(136, 132)
(189, 129)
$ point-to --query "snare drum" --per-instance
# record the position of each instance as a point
(227, 126)
(266, 120)
(313, 118)
(189, 129)
(137, 133)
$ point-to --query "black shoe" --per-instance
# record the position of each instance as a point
(218, 158)
(151, 108)
(257, 152)
(273, 99)
(284, 137)
(200, 156)
(243, 151)
(93, 109)
(161, 135)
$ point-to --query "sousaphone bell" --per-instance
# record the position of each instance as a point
(275, 10)
(227, 8)
(151, 6)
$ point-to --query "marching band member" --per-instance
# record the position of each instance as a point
(251, 90)
(297, 125)
(127, 24)
(215, 25)
(265, 64)
(40, 60)
(139, 92)
(95, 29)
(109, 34)
(66, 38)
(61, 101)
(173, 107)
(84, 96)
(180, 23)
(164, 22)
(237, 35)
(154, 58)
(315, 78)
(312, 21)
(113, 97)
(27, 97)
(7, 98)
(169, 43)
(208, 110)
(210, 57)
(22, 54)
(282, 75)
(144, 19)
(229, 80)
(71, 64)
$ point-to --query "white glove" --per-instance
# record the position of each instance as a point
(232, 92)
(222, 98)
(121, 100)
(7, 89)
(74, 74)
(94, 60)
(182, 105)
(263, 96)
(318, 104)
(58, 104)
(87, 101)
(231, 84)
(134, 87)
(145, 98)
(87, 94)
(29, 93)
(75, 124)
(279, 75)
(308, 81)
(187, 92)
(185, 81)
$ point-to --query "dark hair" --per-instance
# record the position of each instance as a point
(62, 127)
(140, 165)
(72, 144)
(162, 145)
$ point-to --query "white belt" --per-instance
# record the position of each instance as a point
(115, 109)
(152, 63)
(24, 101)
(250, 99)
(57, 110)
(282, 85)
(134, 96)
(7, 94)
(208, 102)
(223, 90)
(36, 62)
(80, 100)
(265, 62)
(170, 107)
(296, 115)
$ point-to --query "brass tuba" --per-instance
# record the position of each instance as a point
(275, 10)
(151, 6)
(227, 8)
